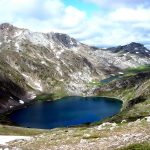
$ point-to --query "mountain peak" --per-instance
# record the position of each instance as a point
(65, 39)
(6, 25)
(133, 48)
(136, 45)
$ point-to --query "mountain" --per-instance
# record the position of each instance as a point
(45, 62)
(33, 63)
(56, 63)
(132, 48)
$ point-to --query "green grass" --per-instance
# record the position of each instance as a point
(11, 130)
(44, 97)
(138, 110)
(51, 96)
(92, 136)
(139, 69)
(138, 146)
(94, 83)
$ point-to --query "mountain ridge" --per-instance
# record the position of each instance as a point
(56, 62)
(133, 48)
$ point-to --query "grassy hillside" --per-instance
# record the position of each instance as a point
(134, 91)
(106, 136)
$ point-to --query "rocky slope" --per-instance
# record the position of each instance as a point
(106, 136)
(122, 57)
(46, 62)
(12, 95)
(134, 90)
(55, 62)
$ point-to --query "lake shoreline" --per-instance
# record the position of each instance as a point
(6, 121)
(4, 116)
(70, 110)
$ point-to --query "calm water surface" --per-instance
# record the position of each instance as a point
(68, 111)
(107, 80)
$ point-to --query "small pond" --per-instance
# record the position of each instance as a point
(68, 111)
(108, 80)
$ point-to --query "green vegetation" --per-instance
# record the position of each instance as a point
(59, 94)
(136, 111)
(44, 97)
(11, 130)
(94, 83)
(135, 96)
(132, 71)
(137, 146)
(51, 96)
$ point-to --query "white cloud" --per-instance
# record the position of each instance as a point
(122, 26)
(53, 7)
(131, 15)
(119, 3)
(73, 17)
(48, 15)
(117, 26)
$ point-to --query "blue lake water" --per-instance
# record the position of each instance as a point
(68, 111)
(107, 80)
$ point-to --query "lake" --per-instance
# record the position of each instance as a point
(108, 80)
(65, 112)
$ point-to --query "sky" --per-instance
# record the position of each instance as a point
(102, 23)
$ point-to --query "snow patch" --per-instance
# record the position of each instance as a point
(146, 51)
(17, 47)
(44, 63)
(21, 101)
(74, 49)
(120, 73)
(59, 70)
(4, 139)
(33, 96)
(5, 38)
(26, 76)
(18, 33)
(38, 86)
(59, 53)
(148, 119)
(8, 41)
(34, 83)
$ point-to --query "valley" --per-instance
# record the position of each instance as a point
(37, 66)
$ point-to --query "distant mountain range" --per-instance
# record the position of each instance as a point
(132, 48)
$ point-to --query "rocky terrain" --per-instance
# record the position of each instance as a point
(134, 91)
(132, 48)
(12, 95)
(106, 136)
(57, 63)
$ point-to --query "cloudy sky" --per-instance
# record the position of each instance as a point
(95, 22)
